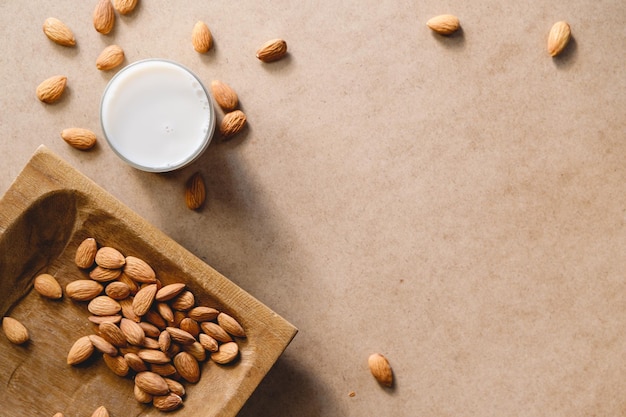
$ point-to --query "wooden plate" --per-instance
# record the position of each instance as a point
(45, 214)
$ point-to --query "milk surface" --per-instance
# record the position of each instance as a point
(157, 116)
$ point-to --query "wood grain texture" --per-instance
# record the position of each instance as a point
(45, 214)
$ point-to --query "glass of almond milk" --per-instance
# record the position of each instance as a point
(157, 116)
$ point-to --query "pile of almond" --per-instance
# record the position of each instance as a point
(153, 333)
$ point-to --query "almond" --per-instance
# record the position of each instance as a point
(190, 326)
(163, 369)
(111, 57)
(134, 287)
(101, 274)
(58, 415)
(150, 343)
(207, 342)
(117, 364)
(104, 17)
(164, 341)
(51, 89)
(196, 350)
(203, 313)
(166, 312)
(380, 368)
(153, 356)
(79, 138)
(134, 361)
(167, 402)
(225, 96)
(445, 24)
(201, 38)
(180, 336)
(155, 318)
(215, 331)
(226, 353)
(152, 383)
(86, 253)
(150, 329)
(103, 305)
(83, 290)
(100, 412)
(133, 332)
(111, 258)
(187, 367)
(142, 396)
(98, 320)
(231, 325)
(272, 50)
(175, 387)
(80, 351)
(232, 123)
(184, 301)
(15, 331)
(112, 334)
(178, 317)
(102, 345)
(169, 291)
(558, 38)
(124, 6)
(117, 290)
(48, 286)
(127, 310)
(138, 270)
(195, 191)
(58, 32)
(143, 299)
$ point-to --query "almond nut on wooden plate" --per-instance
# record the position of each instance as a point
(225, 96)
(195, 192)
(445, 24)
(86, 253)
(100, 412)
(232, 123)
(380, 368)
(80, 351)
(51, 89)
(79, 138)
(15, 331)
(124, 6)
(48, 286)
(104, 17)
(272, 50)
(558, 38)
(201, 37)
(110, 57)
(58, 32)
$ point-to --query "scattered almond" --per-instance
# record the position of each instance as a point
(207, 342)
(138, 270)
(175, 387)
(184, 301)
(152, 383)
(127, 310)
(103, 305)
(48, 286)
(201, 37)
(202, 313)
(111, 57)
(215, 331)
(117, 290)
(187, 367)
(108, 257)
(180, 336)
(100, 412)
(124, 6)
(196, 350)
(445, 24)
(272, 50)
(101, 274)
(135, 362)
(86, 253)
(117, 364)
(79, 138)
(51, 89)
(104, 17)
(58, 32)
(150, 329)
(15, 331)
(380, 368)
(98, 320)
(83, 290)
(143, 299)
(112, 334)
(167, 402)
(226, 353)
(164, 369)
(225, 96)
(195, 191)
(102, 345)
(80, 351)
(190, 326)
(166, 312)
(153, 356)
(231, 325)
(169, 291)
(133, 332)
(232, 123)
(142, 396)
(558, 38)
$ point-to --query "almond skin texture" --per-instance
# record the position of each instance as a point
(51, 89)
(117, 290)
(558, 38)
(152, 383)
(86, 253)
(111, 57)
(15, 331)
(169, 291)
(232, 123)
(101, 274)
(272, 50)
(112, 334)
(48, 286)
(142, 396)
(117, 364)
(102, 345)
(83, 290)
(80, 351)
(203, 313)
(103, 306)
(226, 353)
(100, 412)
(104, 17)
(58, 32)
(184, 301)
(108, 257)
(225, 96)
(215, 331)
(180, 336)
(124, 6)
(195, 192)
(143, 299)
(201, 38)
(132, 331)
(380, 368)
(445, 24)
(187, 367)
(169, 402)
(79, 138)
(231, 325)
(138, 270)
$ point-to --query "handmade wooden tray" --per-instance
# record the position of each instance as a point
(45, 214)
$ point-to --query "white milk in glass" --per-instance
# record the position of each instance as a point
(157, 116)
